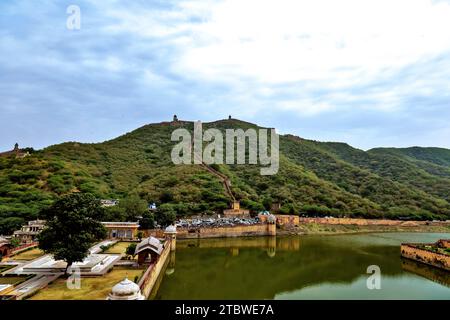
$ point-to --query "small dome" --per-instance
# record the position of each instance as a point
(271, 218)
(125, 290)
(171, 229)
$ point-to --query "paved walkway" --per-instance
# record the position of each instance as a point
(36, 283)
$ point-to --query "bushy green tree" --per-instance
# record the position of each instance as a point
(131, 249)
(72, 227)
(166, 215)
(147, 221)
(10, 224)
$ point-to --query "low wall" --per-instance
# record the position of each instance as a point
(23, 247)
(290, 220)
(157, 233)
(153, 272)
(283, 220)
(439, 260)
(236, 213)
(261, 229)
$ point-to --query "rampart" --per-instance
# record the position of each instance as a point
(436, 259)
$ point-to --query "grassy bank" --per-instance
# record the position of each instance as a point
(96, 288)
(316, 228)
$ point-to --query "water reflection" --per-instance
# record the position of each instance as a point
(434, 274)
(265, 267)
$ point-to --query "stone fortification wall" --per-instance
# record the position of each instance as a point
(439, 260)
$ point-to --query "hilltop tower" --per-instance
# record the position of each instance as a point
(175, 118)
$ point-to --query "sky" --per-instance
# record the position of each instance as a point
(369, 73)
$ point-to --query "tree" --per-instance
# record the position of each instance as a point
(115, 213)
(134, 207)
(131, 249)
(131, 208)
(72, 227)
(166, 215)
(14, 242)
(10, 224)
(147, 221)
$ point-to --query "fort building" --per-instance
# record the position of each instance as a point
(121, 230)
(15, 152)
(28, 233)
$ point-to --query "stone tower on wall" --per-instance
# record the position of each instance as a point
(16, 147)
(175, 118)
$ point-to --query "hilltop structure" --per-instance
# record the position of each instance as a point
(19, 153)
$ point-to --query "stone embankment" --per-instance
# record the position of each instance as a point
(414, 252)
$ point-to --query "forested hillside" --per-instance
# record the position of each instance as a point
(314, 178)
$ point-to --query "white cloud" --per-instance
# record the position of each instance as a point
(285, 41)
(325, 44)
(349, 70)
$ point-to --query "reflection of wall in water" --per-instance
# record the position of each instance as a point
(271, 244)
(426, 271)
(171, 265)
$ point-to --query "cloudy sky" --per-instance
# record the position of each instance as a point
(370, 73)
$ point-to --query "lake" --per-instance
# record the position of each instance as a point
(301, 267)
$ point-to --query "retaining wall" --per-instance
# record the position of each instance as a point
(153, 272)
(439, 260)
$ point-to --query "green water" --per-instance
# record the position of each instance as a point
(301, 267)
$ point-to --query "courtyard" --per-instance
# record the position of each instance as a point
(91, 288)
(118, 248)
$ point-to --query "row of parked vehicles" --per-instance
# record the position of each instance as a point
(215, 222)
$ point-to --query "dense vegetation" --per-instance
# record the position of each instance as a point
(72, 227)
(315, 178)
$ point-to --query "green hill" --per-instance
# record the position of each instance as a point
(315, 178)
